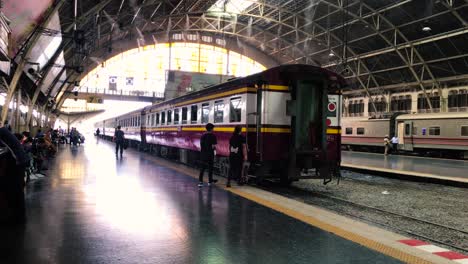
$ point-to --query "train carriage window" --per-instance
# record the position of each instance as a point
(169, 117)
(184, 115)
(148, 120)
(176, 116)
(205, 113)
(415, 131)
(360, 131)
(152, 120)
(157, 119)
(235, 110)
(219, 111)
(193, 114)
(163, 118)
(434, 131)
(139, 121)
(407, 129)
(464, 131)
(349, 131)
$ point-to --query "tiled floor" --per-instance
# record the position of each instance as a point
(93, 208)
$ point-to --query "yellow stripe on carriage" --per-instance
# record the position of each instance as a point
(333, 131)
(330, 131)
(222, 129)
(214, 96)
(277, 88)
(236, 91)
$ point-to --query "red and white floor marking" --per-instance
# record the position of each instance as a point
(445, 253)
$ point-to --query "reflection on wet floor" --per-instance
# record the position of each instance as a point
(93, 208)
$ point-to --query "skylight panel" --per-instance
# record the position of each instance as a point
(230, 7)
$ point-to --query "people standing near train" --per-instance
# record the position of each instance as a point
(237, 156)
(119, 139)
(208, 143)
(98, 132)
(386, 145)
(395, 144)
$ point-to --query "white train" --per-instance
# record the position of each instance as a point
(437, 134)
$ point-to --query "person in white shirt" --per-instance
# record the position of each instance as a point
(395, 144)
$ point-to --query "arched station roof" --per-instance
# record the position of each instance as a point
(376, 44)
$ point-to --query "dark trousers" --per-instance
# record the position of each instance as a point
(206, 163)
(395, 147)
(235, 169)
(119, 145)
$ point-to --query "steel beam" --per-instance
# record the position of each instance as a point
(25, 55)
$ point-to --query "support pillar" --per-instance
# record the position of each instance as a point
(414, 102)
(17, 125)
(366, 106)
(444, 93)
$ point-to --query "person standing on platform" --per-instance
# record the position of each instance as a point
(98, 132)
(208, 143)
(237, 156)
(386, 145)
(119, 139)
(395, 144)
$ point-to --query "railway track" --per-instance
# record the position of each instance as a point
(436, 233)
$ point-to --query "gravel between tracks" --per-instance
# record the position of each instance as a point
(435, 203)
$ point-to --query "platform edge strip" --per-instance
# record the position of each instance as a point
(377, 246)
(366, 242)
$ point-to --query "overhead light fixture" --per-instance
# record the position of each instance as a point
(331, 54)
(426, 29)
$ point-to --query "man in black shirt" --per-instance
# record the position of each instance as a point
(119, 138)
(208, 147)
(237, 156)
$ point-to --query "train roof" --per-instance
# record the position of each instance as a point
(421, 116)
(307, 72)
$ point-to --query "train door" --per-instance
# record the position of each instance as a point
(400, 133)
(408, 136)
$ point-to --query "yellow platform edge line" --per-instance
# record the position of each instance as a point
(366, 242)
(377, 246)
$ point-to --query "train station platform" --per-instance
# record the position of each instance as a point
(423, 167)
(94, 208)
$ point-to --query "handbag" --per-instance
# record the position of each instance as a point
(125, 144)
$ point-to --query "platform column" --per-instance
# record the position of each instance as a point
(387, 98)
(414, 102)
(444, 99)
(366, 106)
(17, 123)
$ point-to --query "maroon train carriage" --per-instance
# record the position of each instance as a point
(290, 115)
